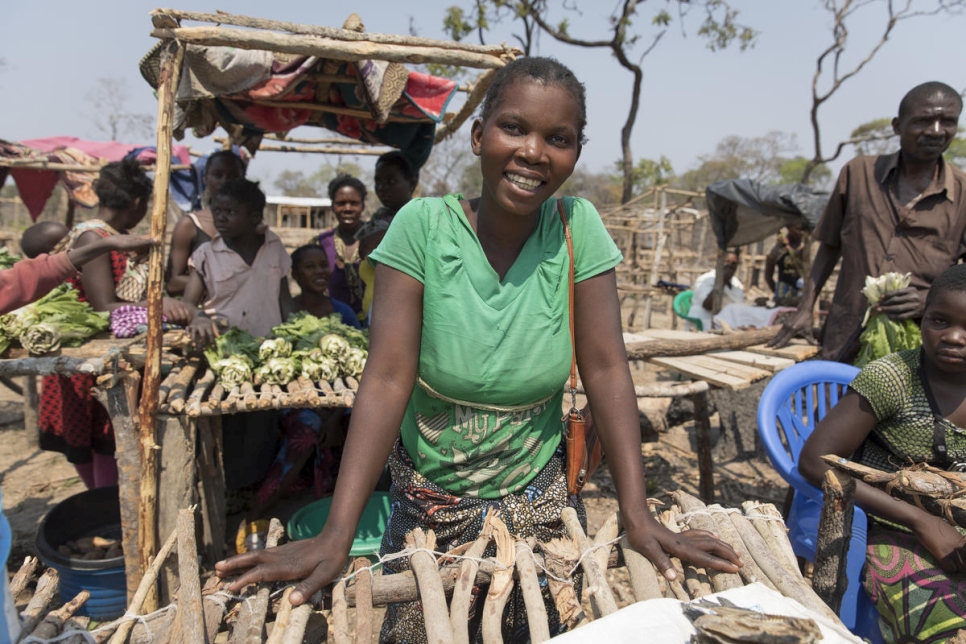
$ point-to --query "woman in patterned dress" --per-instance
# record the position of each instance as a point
(908, 407)
(469, 348)
(71, 421)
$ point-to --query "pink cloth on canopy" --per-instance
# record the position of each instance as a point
(36, 186)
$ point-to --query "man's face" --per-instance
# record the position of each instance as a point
(928, 128)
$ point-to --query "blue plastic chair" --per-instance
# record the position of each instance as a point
(791, 406)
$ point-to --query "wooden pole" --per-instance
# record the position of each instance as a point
(327, 47)
(162, 18)
(702, 431)
(147, 533)
(830, 579)
(31, 406)
(472, 101)
(656, 259)
(190, 617)
(689, 347)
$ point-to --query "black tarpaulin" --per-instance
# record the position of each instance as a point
(743, 211)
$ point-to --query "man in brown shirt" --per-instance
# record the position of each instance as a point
(902, 212)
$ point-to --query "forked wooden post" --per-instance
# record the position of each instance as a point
(147, 532)
(834, 534)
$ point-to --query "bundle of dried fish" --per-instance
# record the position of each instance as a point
(727, 623)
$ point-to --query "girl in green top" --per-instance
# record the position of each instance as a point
(469, 351)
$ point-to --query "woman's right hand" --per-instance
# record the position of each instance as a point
(944, 541)
(317, 562)
(203, 331)
(176, 311)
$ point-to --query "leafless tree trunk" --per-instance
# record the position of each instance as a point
(830, 63)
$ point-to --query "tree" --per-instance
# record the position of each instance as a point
(956, 153)
(648, 173)
(831, 69)
(874, 137)
(446, 168)
(766, 159)
(719, 28)
(600, 188)
(295, 183)
(111, 117)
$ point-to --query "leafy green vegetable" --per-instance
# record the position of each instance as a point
(7, 259)
(237, 344)
(882, 335)
(60, 314)
(277, 371)
(304, 330)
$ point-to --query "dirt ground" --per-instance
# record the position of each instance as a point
(34, 481)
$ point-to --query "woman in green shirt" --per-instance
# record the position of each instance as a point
(470, 347)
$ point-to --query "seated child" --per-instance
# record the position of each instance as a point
(32, 278)
(311, 270)
(309, 432)
(244, 271)
(908, 407)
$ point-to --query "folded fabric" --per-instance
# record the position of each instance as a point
(128, 321)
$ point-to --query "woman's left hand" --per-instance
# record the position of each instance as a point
(698, 547)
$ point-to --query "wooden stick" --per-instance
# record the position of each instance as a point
(260, 604)
(326, 389)
(193, 408)
(740, 340)
(602, 599)
(301, 149)
(365, 616)
(265, 396)
(54, 622)
(501, 584)
(50, 365)
(788, 585)
(469, 106)
(163, 18)
(338, 386)
(308, 390)
(167, 383)
(340, 614)
(214, 398)
(214, 612)
(697, 582)
(78, 624)
(719, 580)
(532, 596)
(282, 618)
(769, 523)
(423, 564)
(675, 587)
(179, 390)
(295, 629)
(608, 531)
(463, 590)
(658, 390)
(248, 395)
(190, 617)
(294, 388)
(702, 427)
(830, 579)
(727, 532)
(326, 47)
(240, 628)
(23, 576)
(126, 623)
(37, 606)
(147, 523)
(643, 575)
(352, 383)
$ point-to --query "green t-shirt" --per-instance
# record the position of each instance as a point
(485, 416)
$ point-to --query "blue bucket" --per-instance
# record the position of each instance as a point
(88, 514)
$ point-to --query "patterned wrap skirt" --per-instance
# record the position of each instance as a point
(916, 600)
(418, 502)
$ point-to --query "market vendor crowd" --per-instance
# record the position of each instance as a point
(466, 301)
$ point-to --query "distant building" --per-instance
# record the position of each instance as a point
(299, 212)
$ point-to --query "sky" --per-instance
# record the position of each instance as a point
(54, 51)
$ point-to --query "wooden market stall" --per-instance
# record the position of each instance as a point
(366, 72)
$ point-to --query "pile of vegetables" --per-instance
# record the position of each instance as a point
(55, 320)
(306, 346)
(881, 335)
(7, 259)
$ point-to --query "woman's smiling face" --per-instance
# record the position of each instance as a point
(528, 146)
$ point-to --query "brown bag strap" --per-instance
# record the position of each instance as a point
(570, 306)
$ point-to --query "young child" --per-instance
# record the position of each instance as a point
(196, 228)
(32, 278)
(470, 347)
(244, 271)
(311, 270)
(905, 408)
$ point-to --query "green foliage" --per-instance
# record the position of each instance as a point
(792, 169)
(956, 153)
(598, 188)
(455, 24)
(647, 173)
(874, 137)
(295, 183)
